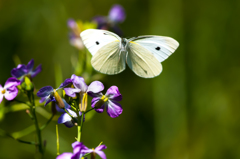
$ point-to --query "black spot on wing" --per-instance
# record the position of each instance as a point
(97, 43)
(158, 48)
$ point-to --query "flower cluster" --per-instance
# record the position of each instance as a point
(80, 150)
(10, 89)
(74, 107)
(72, 102)
(78, 91)
(116, 15)
(26, 70)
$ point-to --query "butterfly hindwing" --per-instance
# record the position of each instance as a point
(142, 61)
(160, 46)
(108, 59)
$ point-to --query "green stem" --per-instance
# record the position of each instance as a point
(57, 134)
(22, 141)
(79, 118)
(88, 110)
(22, 102)
(33, 110)
(81, 126)
(42, 127)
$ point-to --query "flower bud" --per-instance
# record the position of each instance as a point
(83, 104)
(27, 84)
(93, 154)
(58, 99)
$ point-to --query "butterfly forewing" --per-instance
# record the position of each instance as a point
(160, 46)
(108, 59)
(142, 61)
(95, 39)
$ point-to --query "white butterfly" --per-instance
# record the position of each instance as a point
(143, 54)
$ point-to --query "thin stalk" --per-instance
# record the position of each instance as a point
(22, 102)
(79, 118)
(38, 131)
(57, 140)
(42, 127)
(22, 141)
(81, 125)
(88, 110)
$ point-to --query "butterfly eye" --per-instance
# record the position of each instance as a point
(97, 42)
(158, 48)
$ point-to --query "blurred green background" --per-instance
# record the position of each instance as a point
(190, 111)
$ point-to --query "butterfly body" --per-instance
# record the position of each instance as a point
(143, 54)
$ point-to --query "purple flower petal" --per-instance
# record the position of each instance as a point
(37, 70)
(66, 119)
(45, 91)
(95, 94)
(19, 71)
(88, 151)
(101, 154)
(71, 24)
(42, 99)
(117, 14)
(78, 146)
(11, 82)
(65, 83)
(101, 21)
(66, 155)
(114, 94)
(114, 109)
(49, 99)
(101, 147)
(94, 101)
(95, 87)
(79, 83)
(71, 92)
(77, 42)
(30, 65)
(75, 144)
(11, 93)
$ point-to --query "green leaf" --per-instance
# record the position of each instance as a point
(23, 132)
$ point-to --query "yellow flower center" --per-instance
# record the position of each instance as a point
(3, 91)
(101, 101)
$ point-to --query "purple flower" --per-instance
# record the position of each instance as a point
(83, 89)
(79, 150)
(67, 120)
(116, 15)
(48, 93)
(78, 153)
(23, 70)
(74, 35)
(97, 150)
(109, 100)
(9, 91)
(81, 86)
